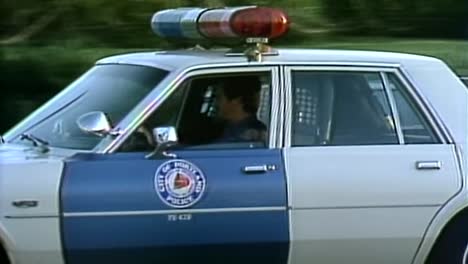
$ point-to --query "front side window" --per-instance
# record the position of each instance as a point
(340, 108)
(112, 89)
(212, 112)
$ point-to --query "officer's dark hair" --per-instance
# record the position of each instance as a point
(247, 88)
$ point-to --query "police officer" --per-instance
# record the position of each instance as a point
(238, 103)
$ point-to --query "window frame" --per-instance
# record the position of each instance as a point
(411, 100)
(160, 94)
(383, 71)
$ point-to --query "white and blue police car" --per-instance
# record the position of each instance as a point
(363, 159)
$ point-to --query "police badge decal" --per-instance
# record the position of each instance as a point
(179, 183)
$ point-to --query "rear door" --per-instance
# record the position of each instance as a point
(211, 204)
(366, 165)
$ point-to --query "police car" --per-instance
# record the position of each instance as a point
(363, 157)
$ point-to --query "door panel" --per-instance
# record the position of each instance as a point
(358, 235)
(367, 169)
(365, 204)
(112, 212)
(371, 176)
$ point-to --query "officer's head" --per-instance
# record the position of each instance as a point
(239, 95)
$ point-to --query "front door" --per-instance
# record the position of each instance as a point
(211, 201)
(367, 170)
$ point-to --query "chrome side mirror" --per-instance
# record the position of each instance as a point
(96, 123)
(164, 137)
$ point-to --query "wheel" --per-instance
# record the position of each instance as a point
(451, 247)
(3, 255)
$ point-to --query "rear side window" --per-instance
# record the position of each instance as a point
(416, 129)
(340, 108)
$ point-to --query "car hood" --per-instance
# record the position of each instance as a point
(15, 152)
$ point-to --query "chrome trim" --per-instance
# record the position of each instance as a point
(172, 86)
(255, 169)
(281, 118)
(393, 107)
(25, 216)
(144, 63)
(365, 207)
(465, 255)
(461, 167)
(428, 165)
(423, 104)
(263, 63)
(275, 104)
(337, 64)
(339, 68)
(288, 107)
(178, 211)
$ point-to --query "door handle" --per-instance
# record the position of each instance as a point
(258, 169)
(428, 165)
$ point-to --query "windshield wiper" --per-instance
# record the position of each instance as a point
(2, 141)
(37, 142)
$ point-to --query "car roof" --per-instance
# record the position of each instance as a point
(177, 59)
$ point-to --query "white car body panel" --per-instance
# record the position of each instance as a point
(346, 200)
(446, 95)
(447, 212)
(368, 176)
(35, 240)
(32, 234)
(358, 235)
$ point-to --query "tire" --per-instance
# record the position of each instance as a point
(3, 256)
(452, 246)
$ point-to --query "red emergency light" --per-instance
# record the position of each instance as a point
(220, 23)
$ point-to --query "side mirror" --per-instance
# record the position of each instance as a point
(164, 137)
(96, 123)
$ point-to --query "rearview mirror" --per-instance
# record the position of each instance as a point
(96, 123)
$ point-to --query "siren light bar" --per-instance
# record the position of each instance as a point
(221, 23)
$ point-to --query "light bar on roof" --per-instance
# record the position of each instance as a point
(238, 22)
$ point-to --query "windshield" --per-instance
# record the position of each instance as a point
(112, 89)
